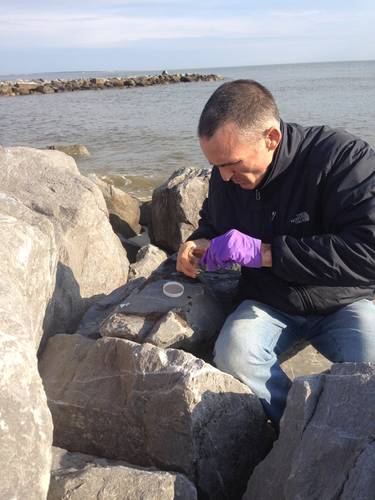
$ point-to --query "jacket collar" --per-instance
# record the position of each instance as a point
(291, 139)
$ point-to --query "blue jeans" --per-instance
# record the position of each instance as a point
(255, 335)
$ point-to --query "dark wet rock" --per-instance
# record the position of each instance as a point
(134, 244)
(89, 325)
(154, 407)
(326, 444)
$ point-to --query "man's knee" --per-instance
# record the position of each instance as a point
(240, 352)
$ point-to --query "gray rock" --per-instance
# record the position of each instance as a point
(78, 476)
(171, 331)
(75, 150)
(176, 205)
(188, 322)
(124, 211)
(28, 257)
(91, 260)
(148, 259)
(90, 323)
(326, 443)
(149, 406)
(127, 326)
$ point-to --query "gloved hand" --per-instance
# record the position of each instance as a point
(232, 247)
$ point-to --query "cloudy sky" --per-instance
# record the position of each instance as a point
(67, 35)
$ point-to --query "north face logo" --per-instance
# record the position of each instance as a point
(301, 217)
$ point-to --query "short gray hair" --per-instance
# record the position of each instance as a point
(245, 102)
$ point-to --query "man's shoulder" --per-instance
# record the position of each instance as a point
(320, 134)
(327, 142)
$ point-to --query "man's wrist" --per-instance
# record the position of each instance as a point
(266, 254)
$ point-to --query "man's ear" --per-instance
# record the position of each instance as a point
(273, 138)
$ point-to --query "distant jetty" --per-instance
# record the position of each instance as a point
(40, 86)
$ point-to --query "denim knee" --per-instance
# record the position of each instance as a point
(240, 354)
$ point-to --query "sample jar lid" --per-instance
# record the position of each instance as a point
(173, 289)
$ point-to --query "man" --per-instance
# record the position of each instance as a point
(295, 207)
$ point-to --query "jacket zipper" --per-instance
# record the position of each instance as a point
(257, 194)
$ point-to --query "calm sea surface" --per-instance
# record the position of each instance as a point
(139, 136)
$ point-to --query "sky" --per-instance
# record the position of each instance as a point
(87, 35)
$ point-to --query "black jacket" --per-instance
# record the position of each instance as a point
(316, 207)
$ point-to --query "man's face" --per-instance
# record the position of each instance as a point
(241, 161)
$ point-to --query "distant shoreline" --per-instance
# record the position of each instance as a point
(41, 86)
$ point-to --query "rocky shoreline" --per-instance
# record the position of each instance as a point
(40, 86)
(108, 389)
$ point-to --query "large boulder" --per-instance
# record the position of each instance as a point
(28, 257)
(152, 407)
(124, 209)
(78, 476)
(91, 260)
(326, 445)
(176, 205)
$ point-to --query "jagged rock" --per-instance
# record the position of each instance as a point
(75, 150)
(148, 259)
(28, 257)
(91, 260)
(171, 331)
(78, 476)
(89, 325)
(149, 406)
(176, 205)
(127, 326)
(124, 212)
(195, 322)
(326, 444)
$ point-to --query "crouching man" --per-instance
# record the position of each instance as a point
(295, 207)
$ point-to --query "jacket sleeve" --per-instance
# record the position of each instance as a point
(206, 227)
(345, 254)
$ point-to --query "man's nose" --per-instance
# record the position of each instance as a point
(226, 173)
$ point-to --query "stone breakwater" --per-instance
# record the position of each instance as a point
(40, 86)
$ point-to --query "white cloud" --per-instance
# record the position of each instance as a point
(79, 30)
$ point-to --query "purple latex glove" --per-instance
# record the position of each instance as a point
(232, 247)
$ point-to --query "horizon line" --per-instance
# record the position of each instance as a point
(188, 68)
